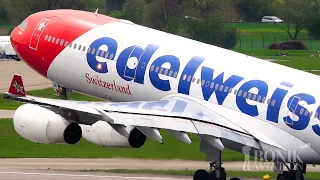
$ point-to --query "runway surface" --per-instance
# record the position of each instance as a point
(31, 79)
(63, 169)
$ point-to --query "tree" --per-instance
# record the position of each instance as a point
(212, 31)
(297, 15)
(163, 15)
(254, 10)
(134, 10)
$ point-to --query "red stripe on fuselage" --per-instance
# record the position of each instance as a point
(66, 25)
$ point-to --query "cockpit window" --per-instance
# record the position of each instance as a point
(23, 25)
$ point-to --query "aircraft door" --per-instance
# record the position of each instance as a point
(37, 32)
(293, 104)
(131, 67)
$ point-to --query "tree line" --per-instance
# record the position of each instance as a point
(202, 20)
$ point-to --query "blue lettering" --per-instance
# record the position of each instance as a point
(144, 60)
(316, 128)
(277, 96)
(122, 66)
(189, 70)
(158, 83)
(208, 89)
(101, 67)
(294, 106)
(242, 103)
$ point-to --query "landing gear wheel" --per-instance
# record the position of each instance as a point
(201, 174)
(289, 176)
(222, 174)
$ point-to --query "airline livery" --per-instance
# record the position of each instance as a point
(157, 80)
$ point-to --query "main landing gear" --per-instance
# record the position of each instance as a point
(295, 171)
(216, 172)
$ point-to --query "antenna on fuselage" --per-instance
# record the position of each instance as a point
(96, 12)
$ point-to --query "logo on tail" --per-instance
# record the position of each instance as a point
(16, 86)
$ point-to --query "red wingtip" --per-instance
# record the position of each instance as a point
(16, 86)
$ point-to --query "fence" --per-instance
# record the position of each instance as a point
(262, 42)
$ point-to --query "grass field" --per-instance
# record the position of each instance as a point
(14, 146)
(260, 35)
(239, 174)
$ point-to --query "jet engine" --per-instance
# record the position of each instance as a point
(42, 125)
(101, 133)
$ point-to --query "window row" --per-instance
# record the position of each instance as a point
(79, 47)
(173, 74)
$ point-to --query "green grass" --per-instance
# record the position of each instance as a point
(48, 93)
(14, 146)
(240, 174)
(260, 35)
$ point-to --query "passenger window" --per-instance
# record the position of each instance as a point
(306, 113)
(166, 72)
(79, 48)
(171, 73)
(273, 102)
(202, 82)
(259, 98)
(161, 70)
(98, 52)
(70, 45)
(316, 115)
(189, 78)
(193, 79)
(75, 46)
(198, 81)
(84, 48)
(184, 77)
(102, 53)
(217, 86)
(207, 84)
(268, 102)
(301, 111)
(226, 89)
(175, 75)
(66, 44)
(152, 68)
(57, 41)
(264, 99)
(235, 91)
(157, 69)
(311, 113)
(111, 56)
(93, 50)
(249, 95)
(53, 40)
(45, 38)
(212, 84)
(61, 42)
(254, 97)
(221, 88)
(239, 92)
(89, 50)
(106, 55)
(49, 39)
(244, 94)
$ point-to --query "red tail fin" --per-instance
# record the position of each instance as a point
(16, 86)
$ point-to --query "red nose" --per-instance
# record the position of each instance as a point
(38, 39)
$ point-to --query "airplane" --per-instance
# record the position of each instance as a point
(154, 80)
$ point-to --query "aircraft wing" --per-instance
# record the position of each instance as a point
(177, 114)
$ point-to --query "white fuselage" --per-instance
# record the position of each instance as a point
(136, 55)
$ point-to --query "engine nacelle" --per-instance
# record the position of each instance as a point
(42, 125)
(101, 133)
